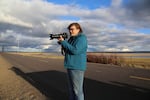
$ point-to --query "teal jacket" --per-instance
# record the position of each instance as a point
(75, 52)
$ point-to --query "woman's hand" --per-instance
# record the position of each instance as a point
(61, 39)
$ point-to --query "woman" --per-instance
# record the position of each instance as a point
(75, 60)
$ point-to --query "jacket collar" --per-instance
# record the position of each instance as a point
(76, 35)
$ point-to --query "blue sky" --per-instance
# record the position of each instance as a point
(110, 25)
(94, 4)
(90, 4)
(146, 31)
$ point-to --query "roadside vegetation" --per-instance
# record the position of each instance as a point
(122, 60)
(105, 59)
(134, 60)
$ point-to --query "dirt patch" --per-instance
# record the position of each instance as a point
(41, 55)
(13, 87)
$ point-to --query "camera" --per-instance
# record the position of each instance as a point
(56, 36)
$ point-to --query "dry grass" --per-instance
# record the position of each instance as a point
(138, 62)
(135, 60)
(121, 59)
(42, 55)
(105, 59)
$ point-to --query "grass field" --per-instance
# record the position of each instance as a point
(42, 55)
(135, 60)
(138, 62)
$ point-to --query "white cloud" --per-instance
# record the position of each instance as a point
(108, 28)
(116, 3)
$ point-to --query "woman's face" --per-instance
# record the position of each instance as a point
(74, 31)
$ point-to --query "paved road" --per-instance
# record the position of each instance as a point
(102, 82)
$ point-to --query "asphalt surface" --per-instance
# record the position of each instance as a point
(102, 82)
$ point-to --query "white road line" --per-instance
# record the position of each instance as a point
(44, 61)
(140, 78)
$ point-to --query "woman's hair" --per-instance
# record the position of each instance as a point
(76, 25)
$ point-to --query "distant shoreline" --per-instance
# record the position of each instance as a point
(91, 52)
(121, 52)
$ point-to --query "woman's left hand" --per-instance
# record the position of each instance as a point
(61, 38)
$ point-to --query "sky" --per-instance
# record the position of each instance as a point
(110, 25)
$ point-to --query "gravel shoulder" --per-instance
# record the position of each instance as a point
(13, 87)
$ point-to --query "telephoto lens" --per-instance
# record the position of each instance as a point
(56, 36)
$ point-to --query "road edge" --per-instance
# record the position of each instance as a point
(14, 87)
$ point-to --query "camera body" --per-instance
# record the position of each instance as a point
(56, 36)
